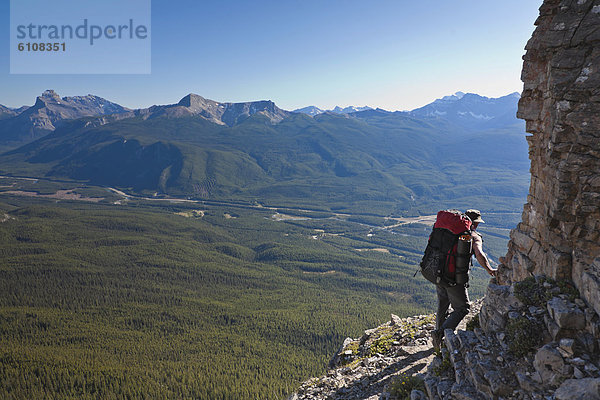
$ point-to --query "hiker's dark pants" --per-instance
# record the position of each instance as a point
(456, 296)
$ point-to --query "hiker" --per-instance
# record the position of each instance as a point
(457, 295)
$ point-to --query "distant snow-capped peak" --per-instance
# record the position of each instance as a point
(470, 108)
(312, 110)
(453, 97)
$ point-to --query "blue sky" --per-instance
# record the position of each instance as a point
(395, 55)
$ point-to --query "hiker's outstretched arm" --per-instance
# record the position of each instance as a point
(480, 255)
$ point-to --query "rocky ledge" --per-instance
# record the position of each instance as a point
(364, 368)
(536, 339)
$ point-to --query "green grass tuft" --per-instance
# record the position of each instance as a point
(473, 323)
(403, 385)
(523, 335)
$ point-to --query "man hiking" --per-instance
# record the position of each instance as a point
(457, 295)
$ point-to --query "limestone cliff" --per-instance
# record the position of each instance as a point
(560, 232)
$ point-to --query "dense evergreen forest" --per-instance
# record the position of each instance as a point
(160, 300)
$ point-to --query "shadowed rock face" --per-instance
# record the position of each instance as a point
(560, 232)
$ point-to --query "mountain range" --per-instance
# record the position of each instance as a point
(455, 150)
(18, 126)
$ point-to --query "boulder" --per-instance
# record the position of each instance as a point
(551, 366)
(579, 389)
(499, 301)
(566, 314)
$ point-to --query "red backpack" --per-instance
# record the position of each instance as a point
(448, 253)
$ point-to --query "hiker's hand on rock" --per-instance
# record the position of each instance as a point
(493, 272)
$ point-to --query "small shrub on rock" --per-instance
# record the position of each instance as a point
(403, 385)
(473, 323)
(412, 328)
(536, 292)
(381, 345)
(531, 292)
(444, 365)
(568, 288)
(523, 335)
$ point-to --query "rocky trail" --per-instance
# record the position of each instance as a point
(362, 368)
(534, 340)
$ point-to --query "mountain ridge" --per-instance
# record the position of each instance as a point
(20, 126)
(200, 148)
(50, 111)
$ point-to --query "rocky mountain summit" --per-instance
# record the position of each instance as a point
(50, 108)
(49, 111)
(537, 335)
(229, 114)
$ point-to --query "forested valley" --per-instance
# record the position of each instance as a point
(140, 299)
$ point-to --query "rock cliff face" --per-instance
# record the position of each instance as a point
(560, 232)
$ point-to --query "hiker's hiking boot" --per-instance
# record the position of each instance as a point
(436, 337)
